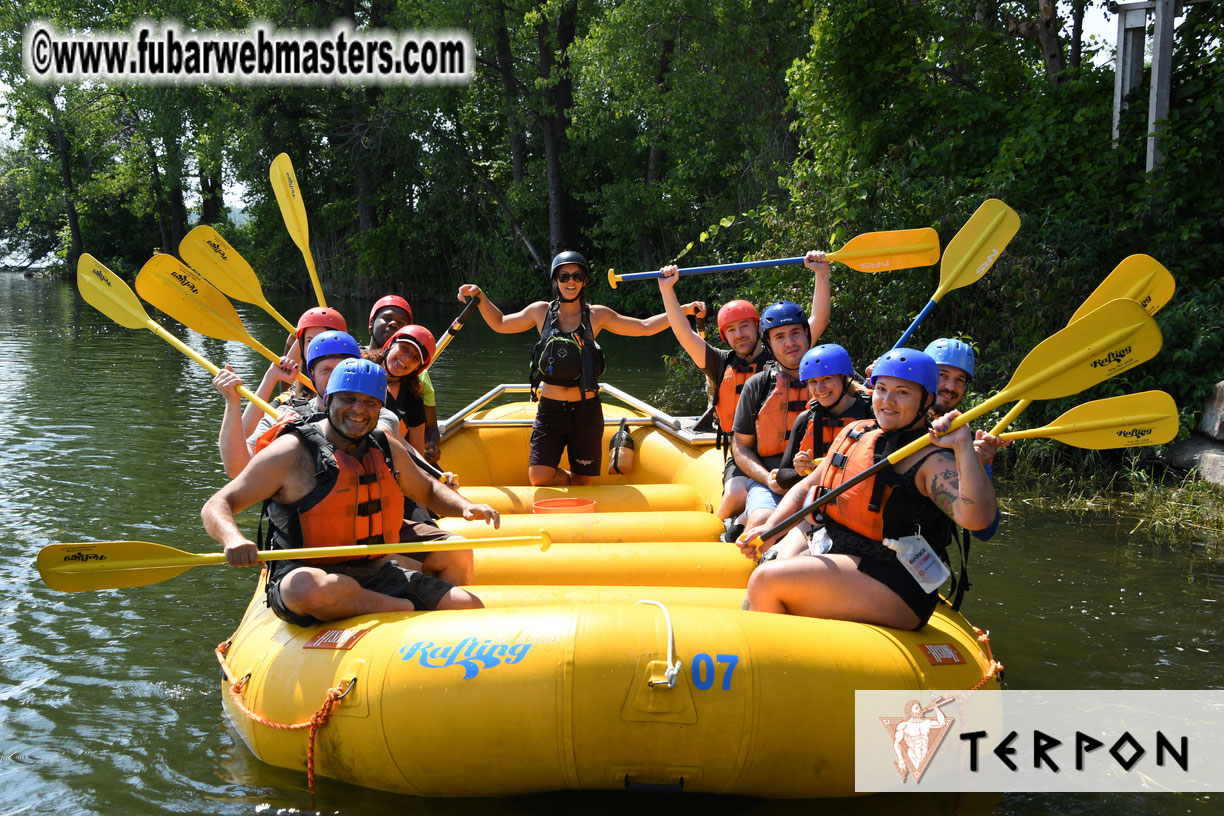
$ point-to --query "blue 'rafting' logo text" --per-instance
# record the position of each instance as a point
(470, 653)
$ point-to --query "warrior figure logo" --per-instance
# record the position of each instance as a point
(916, 737)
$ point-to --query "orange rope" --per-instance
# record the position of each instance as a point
(994, 668)
(316, 721)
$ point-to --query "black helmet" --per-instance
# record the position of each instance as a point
(569, 257)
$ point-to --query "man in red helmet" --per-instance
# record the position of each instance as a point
(390, 314)
(727, 370)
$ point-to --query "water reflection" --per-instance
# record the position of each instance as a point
(110, 700)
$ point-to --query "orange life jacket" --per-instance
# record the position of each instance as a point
(356, 500)
(786, 400)
(856, 448)
(830, 426)
(727, 395)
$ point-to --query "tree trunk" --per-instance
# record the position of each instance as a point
(62, 147)
(159, 196)
(656, 155)
(558, 100)
(1077, 33)
(514, 124)
(1045, 31)
(212, 204)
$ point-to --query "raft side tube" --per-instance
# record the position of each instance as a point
(595, 527)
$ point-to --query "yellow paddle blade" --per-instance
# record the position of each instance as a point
(217, 261)
(106, 292)
(113, 564)
(293, 211)
(182, 293)
(1133, 420)
(1114, 338)
(975, 248)
(289, 198)
(891, 249)
(1140, 278)
(176, 289)
(120, 564)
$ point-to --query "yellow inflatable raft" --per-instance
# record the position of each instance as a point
(612, 660)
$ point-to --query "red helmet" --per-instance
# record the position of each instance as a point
(418, 336)
(390, 300)
(735, 310)
(321, 316)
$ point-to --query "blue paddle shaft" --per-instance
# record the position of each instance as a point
(701, 270)
(926, 310)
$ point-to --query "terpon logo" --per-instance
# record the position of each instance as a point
(292, 184)
(1135, 433)
(470, 653)
(986, 264)
(80, 555)
(916, 737)
(185, 281)
(102, 276)
(215, 247)
(1111, 358)
(875, 265)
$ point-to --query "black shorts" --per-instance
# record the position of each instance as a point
(891, 574)
(731, 470)
(577, 426)
(376, 575)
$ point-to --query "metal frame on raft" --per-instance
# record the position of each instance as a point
(679, 427)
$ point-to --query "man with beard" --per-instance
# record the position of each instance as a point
(338, 482)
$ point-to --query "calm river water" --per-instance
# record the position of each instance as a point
(110, 701)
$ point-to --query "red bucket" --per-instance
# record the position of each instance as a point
(564, 505)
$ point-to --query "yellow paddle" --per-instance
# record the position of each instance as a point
(293, 210)
(119, 564)
(1114, 338)
(869, 252)
(204, 250)
(1130, 421)
(1140, 278)
(106, 292)
(452, 330)
(970, 253)
(183, 294)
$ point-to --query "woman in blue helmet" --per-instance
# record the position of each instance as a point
(565, 368)
(878, 555)
(837, 399)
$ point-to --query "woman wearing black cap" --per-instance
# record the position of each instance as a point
(565, 369)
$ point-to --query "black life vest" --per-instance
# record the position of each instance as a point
(569, 359)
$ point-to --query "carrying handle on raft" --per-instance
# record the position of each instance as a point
(673, 664)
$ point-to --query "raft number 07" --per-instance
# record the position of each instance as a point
(704, 670)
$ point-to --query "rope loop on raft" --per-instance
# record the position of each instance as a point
(316, 721)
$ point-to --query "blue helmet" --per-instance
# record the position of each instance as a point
(908, 364)
(359, 376)
(330, 344)
(952, 352)
(825, 360)
(782, 313)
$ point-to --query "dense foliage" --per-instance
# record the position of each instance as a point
(642, 131)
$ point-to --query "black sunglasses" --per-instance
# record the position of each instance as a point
(566, 277)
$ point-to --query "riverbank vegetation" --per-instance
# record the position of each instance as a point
(658, 130)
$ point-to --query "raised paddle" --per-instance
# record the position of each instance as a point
(182, 293)
(869, 252)
(970, 253)
(293, 210)
(1140, 278)
(106, 292)
(452, 330)
(205, 251)
(119, 564)
(1114, 338)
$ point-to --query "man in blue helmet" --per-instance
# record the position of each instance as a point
(957, 364)
(769, 405)
(338, 481)
(240, 436)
